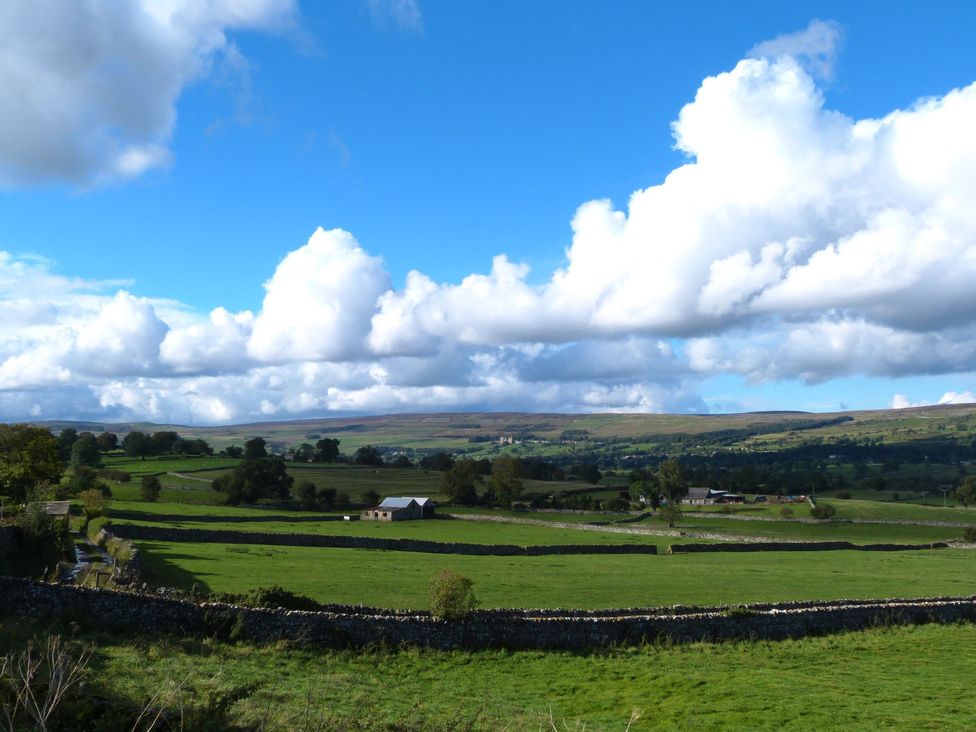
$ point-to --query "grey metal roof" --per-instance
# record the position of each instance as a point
(397, 502)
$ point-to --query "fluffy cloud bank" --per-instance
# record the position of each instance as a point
(794, 243)
(90, 87)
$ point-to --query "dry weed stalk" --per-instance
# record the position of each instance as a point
(37, 680)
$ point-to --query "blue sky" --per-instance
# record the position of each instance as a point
(442, 134)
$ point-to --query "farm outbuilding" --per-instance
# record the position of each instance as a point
(400, 509)
(709, 497)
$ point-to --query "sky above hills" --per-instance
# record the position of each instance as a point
(246, 210)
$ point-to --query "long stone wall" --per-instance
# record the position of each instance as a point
(223, 519)
(223, 536)
(553, 630)
(799, 546)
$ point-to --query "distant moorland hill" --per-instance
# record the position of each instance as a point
(551, 434)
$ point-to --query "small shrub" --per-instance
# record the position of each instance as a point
(94, 502)
(786, 512)
(270, 597)
(823, 512)
(451, 596)
(845, 494)
(616, 504)
(150, 488)
(739, 612)
(306, 493)
(670, 513)
(969, 534)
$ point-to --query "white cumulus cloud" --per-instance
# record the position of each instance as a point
(90, 88)
(793, 243)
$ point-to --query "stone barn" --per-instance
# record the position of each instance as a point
(399, 509)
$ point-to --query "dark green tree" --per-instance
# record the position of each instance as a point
(137, 444)
(368, 455)
(458, 483)
(671, 479)
(437, 461)
(371, 498)
(326, 450)
(254, 480)
(195, 446)
(66, 439)
(327, 497)
(587, 472)
(28, 456)
(255, 448)
(304, 453)
(966, 492)
(85, 451)
(506, 479)
(162, 442)
(150, 488)
(307, 494)
(107, 441)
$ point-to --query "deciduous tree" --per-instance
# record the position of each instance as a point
(966, 492)
(326, 450)
(85, 451)
(150, 488)
(671, 478)
(137, 444)
(28, 456)
(368, 455)
(506, 479)
(459, 482)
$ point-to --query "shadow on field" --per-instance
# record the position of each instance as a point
(163, 572)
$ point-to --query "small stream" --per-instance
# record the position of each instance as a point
(88, 555)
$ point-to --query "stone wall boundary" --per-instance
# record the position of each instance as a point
(800, 546)
(563, 630)
(134, 532)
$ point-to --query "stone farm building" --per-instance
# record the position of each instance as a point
(399, 509)
(709, 497)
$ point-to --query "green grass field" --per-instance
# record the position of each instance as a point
(399, 579)
(911, 678)
(855, 509)
(444, 530)
(484, 532)
(821, 531)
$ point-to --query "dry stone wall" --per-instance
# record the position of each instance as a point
(223, 536)
(799, 546)
(553, 630)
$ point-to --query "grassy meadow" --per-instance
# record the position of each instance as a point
(400, 579)
(917, 678)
